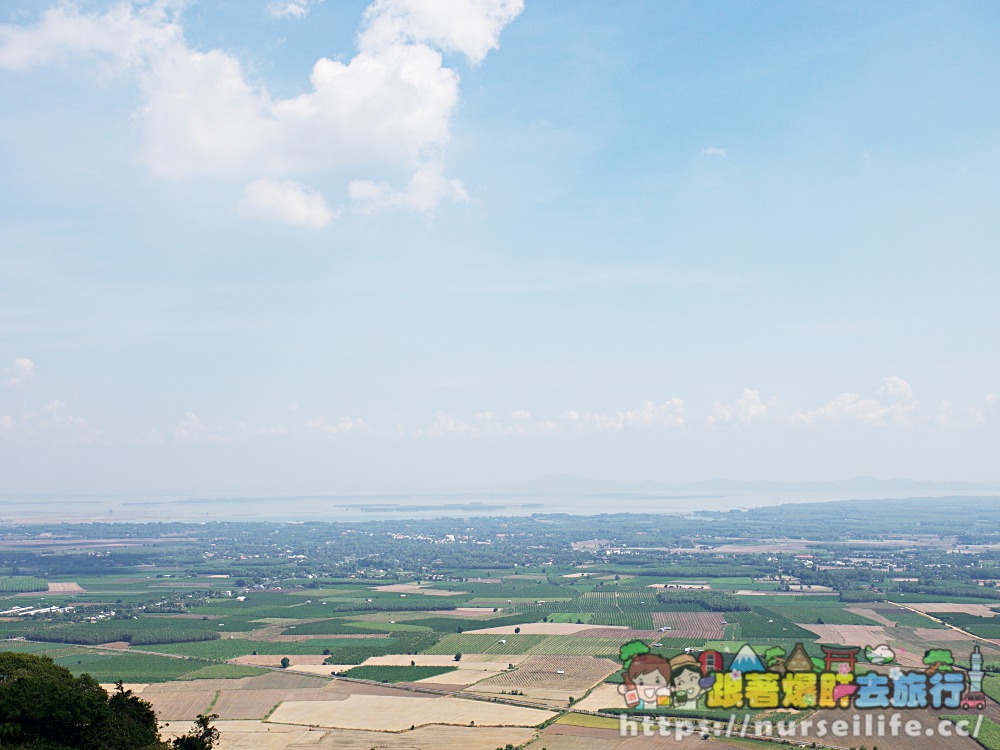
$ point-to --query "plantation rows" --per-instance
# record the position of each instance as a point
(826, 615)
(755, 625)
(147, 630)
(985, 627)
(22, 584)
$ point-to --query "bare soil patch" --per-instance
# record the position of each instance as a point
(65, 588)
(850, 635)
(179, 704)
(119, 645)
(256, 704)
(979, 610)
(397, 713)
(550, 677)
(256, 735)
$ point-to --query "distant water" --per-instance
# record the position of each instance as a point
(56, 509)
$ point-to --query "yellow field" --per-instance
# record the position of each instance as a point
(463, 677)
(386, 713)
(603, 696)
(583, 720)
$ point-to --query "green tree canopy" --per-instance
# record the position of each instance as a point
(44, 707)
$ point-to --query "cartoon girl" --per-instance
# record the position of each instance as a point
(646, 682)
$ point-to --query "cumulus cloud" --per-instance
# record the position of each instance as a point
(749, 408)
(21, 371)
(713, 151)
(670, 413)
(387, 110)
(287, 201)
(291, 8)
(469, 27)
(893, 405)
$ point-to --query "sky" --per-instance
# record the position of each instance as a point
(327, 246)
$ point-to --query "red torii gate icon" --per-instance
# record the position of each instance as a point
(840, 655)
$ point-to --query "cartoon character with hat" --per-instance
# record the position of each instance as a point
(688, 683)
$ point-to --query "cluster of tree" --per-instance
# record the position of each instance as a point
(44, 707)
(712, 601)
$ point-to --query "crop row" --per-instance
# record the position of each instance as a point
(22, 584)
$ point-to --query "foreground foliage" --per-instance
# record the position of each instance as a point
(44, 707)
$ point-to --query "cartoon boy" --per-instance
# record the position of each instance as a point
(646, 682)
(687, 678)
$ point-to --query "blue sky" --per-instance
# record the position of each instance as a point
(423, 245)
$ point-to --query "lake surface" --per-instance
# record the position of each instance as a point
(49, 509)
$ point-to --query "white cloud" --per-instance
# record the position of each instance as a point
(895, 389)
(743, 410)
(894, 404)
(6, 423)
(446, 424)
(191, 428)
(469, 27)
(285, 201)
(21, 371)
(296, 9)
(670, 413)
(713, 151)
(387, 110)
(341, 426)
(427, 188)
